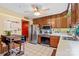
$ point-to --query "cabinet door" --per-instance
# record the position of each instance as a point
(58, 24)
(0, 48)
(54, 40)
(53, 23)
(68, 21)
(63, 22)
(74, 12)
(39, 39)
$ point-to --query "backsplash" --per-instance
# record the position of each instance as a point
(63, 30)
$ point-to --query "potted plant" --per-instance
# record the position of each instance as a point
(8, 33)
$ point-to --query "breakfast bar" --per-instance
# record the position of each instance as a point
(67, 48)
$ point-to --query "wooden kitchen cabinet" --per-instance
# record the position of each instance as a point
(54, 40)
(3, 49)
(0, 48)
(63, 22)
(74, 13)
(55, 22)
(39, 39)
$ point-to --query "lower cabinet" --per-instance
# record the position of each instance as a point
(39, 39)
(3, 49)
(0, 48)
(54, 40)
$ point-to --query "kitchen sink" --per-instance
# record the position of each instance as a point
(69, 38)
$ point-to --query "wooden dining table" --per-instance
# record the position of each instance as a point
(13, 38)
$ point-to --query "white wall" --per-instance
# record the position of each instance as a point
(7, 22)
(1, 25)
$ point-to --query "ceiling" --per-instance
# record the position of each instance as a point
(25, 9)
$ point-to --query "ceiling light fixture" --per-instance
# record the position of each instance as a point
(37, 13)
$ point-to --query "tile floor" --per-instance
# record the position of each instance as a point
(37, 50)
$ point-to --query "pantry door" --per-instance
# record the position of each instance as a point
(25, 26)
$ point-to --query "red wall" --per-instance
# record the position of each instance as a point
(25, 28)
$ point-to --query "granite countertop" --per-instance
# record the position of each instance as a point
(57, 34)
(67, 48)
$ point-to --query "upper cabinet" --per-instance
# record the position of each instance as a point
(63, 22)
(55, 22)
(74, 13)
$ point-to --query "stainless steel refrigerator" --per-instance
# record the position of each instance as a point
(33, 34)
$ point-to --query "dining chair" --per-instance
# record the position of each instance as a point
(7, 42)
(19, 42)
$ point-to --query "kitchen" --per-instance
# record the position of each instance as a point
(53, 29)
(61, 28)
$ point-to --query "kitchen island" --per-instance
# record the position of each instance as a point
(67, 48)
(54, 38)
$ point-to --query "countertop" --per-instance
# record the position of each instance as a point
(57, 34)
(67, 48)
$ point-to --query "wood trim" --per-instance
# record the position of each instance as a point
(54, 52)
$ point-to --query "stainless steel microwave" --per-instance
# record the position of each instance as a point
(46, 29)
